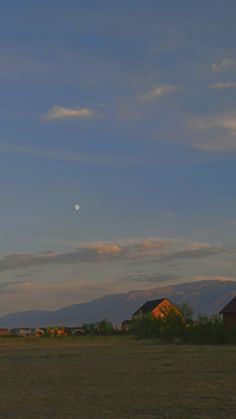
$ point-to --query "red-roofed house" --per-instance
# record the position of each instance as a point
(155, 307)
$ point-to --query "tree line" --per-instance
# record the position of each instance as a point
(180, 325)
(175, 324)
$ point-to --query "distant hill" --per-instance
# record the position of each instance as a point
(203, 296)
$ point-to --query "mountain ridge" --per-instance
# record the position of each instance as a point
(207, 296)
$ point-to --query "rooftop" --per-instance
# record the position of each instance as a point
(149, 306)
(230, 307)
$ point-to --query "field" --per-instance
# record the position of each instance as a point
(115, 377)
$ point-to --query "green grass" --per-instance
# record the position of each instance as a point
(115, 377)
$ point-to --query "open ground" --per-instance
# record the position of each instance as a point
(115, 377)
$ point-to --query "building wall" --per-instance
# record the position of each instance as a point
(159, 311)
(229, 319)
(4, 332)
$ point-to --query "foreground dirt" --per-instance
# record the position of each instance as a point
(115, 378)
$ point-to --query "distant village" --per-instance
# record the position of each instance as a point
(154, 308)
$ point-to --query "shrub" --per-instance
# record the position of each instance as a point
(105, 328)
(173, 325)
(208, 329)
(89, 329)
(145, 327)
(177, 325)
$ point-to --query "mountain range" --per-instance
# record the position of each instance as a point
(203, 296)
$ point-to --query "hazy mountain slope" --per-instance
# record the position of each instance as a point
(204, 296)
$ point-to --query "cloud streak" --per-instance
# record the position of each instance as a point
(194, 253)
(157, 92)
(218, 132)
(222, 85)
(152, 278)
(57, 113)
(145, 251)
(220, 145)
(25, 260)
(11, 286)
(224, 65)
(85, 158)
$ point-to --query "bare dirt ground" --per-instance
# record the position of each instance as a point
(115, 377)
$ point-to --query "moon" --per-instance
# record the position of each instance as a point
(77, 207)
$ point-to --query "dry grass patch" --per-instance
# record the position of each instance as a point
(115, 377)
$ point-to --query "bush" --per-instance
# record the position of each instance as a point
(177, 325)
(173, 325)
(208, 329)
(103, 328)
(145, 327)
(89, 329)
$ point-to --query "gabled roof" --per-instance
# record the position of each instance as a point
(149, 306)
(230, 307)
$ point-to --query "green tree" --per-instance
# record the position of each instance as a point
(105, 327)
(209, 329)
(145, 326)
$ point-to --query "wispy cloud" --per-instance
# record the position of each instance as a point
(97, 252)
(144, 251)
(194, 253)
(186, 251)
(153, 278)
(71, 157)
(57, 113)
(217, 132)
(218, 146)
(132, 108)
(224, 64)
(212, 277)
(25, 260)
(222, 85)
(226, 121)
(157, 92)
(10, 287)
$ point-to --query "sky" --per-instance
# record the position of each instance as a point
(128, 109)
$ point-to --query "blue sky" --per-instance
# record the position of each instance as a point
(129, 109)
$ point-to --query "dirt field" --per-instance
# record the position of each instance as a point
(115, 377)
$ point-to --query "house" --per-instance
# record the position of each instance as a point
(56, 331)
(4, 332)
(29, 331)
(155, 307)
(75, 331)
(229, 313)
(18, 331)
(39, 332)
